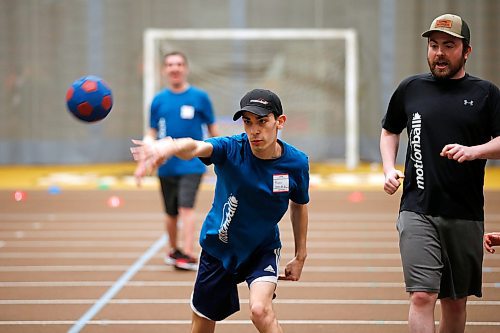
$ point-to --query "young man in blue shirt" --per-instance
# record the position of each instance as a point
(258, 177)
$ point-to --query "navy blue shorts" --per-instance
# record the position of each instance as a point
(215, 294)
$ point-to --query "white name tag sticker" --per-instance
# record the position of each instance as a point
(281, 183)
(187, 112)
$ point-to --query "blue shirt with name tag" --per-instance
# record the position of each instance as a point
(251, 197)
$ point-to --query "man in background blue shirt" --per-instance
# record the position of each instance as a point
(180, 111)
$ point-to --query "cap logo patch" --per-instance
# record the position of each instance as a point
(444, 24)
(261, 101)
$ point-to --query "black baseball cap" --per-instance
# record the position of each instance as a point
(260, 102)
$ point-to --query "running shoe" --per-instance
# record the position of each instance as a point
(186, 263)
(172, 257)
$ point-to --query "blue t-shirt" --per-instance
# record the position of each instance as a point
(251, 197)
(181, 115)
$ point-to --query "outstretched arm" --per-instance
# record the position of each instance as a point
(389, 144)
(491, 239)
(150, 154)
(300, 219)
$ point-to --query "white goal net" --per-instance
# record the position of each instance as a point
(314, 71)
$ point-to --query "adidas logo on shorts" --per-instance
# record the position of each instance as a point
(270, 269)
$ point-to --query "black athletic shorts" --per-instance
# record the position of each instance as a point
(179, 191)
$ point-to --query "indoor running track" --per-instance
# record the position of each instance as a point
(74, 262)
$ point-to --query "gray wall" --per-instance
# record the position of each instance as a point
(47, 44)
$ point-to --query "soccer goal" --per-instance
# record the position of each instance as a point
(314, 71)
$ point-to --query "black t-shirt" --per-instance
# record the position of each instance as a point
(436, 113)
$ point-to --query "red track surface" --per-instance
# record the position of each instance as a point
(60, 253)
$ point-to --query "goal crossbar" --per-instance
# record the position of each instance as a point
(151, 36)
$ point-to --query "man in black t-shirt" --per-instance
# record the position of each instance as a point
(453, 125)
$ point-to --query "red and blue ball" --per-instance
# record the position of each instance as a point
(89, 99)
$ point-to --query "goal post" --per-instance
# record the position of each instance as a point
(152, 59)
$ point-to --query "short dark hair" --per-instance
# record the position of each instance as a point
(177, 53)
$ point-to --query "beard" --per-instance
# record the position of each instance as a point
(449, 71)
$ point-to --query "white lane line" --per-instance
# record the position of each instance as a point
(72, 244)
(80, 216)
(282, 284)
(118, 285)
(72, 255)
(82, 268)
(129, 255)
(231, 322)
(131, 244)
(100, 233)
(242, 301)
(64, 284)
(88, 233)
(163, 268)
(124, 217)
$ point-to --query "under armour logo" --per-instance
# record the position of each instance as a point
(466, 102)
